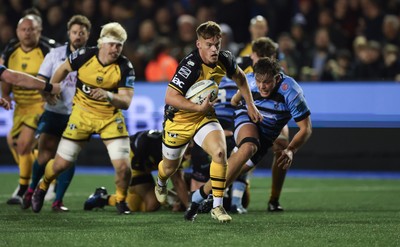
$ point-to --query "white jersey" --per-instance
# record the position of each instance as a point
(53, 59)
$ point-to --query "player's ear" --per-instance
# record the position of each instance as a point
(278, 77)
(198, 43)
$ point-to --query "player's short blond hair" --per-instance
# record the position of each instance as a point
(112, 32)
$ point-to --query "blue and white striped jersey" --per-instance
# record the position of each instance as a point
(223, 108)
(286, 102)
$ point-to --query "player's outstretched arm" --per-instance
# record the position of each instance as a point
(26, 81)
(241, 81)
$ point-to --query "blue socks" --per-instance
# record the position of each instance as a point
(63, 181)
(37, 173)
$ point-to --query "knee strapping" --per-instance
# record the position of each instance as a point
(250, 139)
(68, 150)
(119, 149)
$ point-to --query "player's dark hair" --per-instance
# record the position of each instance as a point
(79, 20)
(264, 47)
(267, 66)
(208, 30)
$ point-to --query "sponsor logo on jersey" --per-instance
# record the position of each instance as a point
(177, 82)
(172, 135)
(190, 63)
(71, 126)
(120, 128)
(130, 81)
(24, 66)
(184, 71)
(99, 80)
(86, 89)
(284, 86)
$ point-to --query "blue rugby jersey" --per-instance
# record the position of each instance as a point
(286, 102)
(223, 108)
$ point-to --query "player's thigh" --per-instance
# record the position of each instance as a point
(211, 138)
(246, 130)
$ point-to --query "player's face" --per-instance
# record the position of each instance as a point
(111, 51)
(209, 49)
(266, 83)
(78, 36)
(28, 33)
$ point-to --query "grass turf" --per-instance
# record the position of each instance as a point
(318, 212)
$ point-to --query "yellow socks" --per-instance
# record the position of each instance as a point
(49, 176)
(25, 168)
(218, 178)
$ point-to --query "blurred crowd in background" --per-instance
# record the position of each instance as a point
(319, 40)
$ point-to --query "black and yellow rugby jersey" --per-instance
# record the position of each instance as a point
(93, 74)
(146, 148)
(28, 62)
(191, 70)
(245, 63)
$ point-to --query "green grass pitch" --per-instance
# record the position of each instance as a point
(318, 212)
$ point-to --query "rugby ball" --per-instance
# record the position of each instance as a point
(199, 91)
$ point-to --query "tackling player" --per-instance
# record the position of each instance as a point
(279, 98)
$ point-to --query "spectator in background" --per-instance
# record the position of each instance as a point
(140, 51)
(122, 12)
(317, 57)
(391, 60)
(339, 68)
(345, 15)
(162, 66)
(205, 13)
(336, 34)
(292, 56)
(301, 40)
(164, 22)
(56, 23)
(391, 30)
(372, 20)
(369, 64)
(309, 12)
(185, 40)
(227, 42)
(258, 28)
(105, 10)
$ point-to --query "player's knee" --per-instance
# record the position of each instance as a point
(280, 144)
(119, 149)
(44, 156)
(249, 144)
(23, 147)
(68, 150)
(218, 153)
